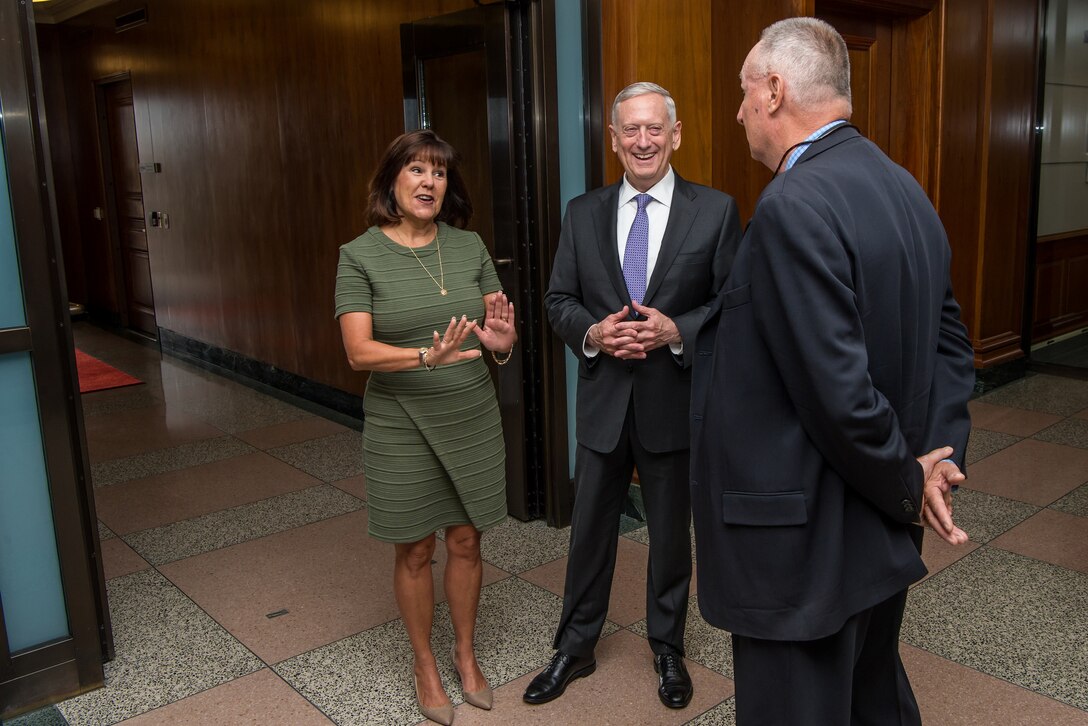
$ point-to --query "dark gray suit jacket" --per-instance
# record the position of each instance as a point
(833, 358)
(587, 284)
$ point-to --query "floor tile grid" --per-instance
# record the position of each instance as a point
(294, 461)
(300, 456)
(257, 664)
(979, 512)
(96, 715)
(289, 454)
(711, 647)
(1013, 617)
(225, 632)
(636, 629)
(553, 544)
(699, 638)
(723, 710)
(237, 446)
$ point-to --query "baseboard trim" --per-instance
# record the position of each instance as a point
(318, 398)
(987, 379)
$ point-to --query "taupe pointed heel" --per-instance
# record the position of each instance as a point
(439, 714)
(483, 698)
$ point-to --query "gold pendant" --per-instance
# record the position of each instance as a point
(444, 291)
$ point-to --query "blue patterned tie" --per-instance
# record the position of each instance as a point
(634, 255)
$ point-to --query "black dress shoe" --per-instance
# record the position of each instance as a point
(550, 683)
(675, 684)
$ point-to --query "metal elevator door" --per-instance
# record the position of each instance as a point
(462, 76)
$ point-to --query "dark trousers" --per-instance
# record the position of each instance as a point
(602, 481)
(853, 677)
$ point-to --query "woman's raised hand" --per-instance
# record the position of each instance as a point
(499, 332)
(446, 348)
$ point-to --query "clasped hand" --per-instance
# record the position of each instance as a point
(939, 477)
(619, 336)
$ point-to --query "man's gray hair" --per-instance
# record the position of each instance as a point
(639, 89)
(810, 55)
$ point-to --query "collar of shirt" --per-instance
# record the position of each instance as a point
(657, 213)
(661, 192)
(808, 142)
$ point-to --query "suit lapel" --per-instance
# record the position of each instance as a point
(604, 226)
(682, 213)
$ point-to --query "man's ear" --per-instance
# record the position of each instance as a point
(615, 141)
(777, 86)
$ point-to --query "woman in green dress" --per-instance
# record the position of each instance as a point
(411, 293)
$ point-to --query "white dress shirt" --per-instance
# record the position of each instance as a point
(657, 213)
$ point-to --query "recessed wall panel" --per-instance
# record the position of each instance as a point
(1066, 51)
(1063, 198)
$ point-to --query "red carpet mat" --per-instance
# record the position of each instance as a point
(94, 375)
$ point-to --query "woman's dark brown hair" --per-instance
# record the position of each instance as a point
(422, 145)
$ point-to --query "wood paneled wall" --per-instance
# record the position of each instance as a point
(736, 25)
(267, 119)
(666, 42)
(988, 80)
(963, 98)
(1061, 285)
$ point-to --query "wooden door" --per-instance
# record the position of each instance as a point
(124, 192)
(893, 81)
(869, 42)
(461, 76)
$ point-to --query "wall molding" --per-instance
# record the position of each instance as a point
(345, 408)
(1061, 301)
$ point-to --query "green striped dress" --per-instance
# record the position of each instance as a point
(433, 450)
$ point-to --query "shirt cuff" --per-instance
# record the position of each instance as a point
(677, 348)
(589, 350)
(954, 487)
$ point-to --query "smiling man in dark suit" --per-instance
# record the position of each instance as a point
(637, 266)
(831, 373)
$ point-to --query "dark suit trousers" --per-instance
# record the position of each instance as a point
(602, 481)
(853, 677)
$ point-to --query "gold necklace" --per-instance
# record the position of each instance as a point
(441, 270)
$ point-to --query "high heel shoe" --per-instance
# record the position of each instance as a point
(439, 714)
(483, 698)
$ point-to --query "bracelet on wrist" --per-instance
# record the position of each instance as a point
(504, 360)
(424, 354)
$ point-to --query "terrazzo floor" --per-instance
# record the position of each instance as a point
(243, 588)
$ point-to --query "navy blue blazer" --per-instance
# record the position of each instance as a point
(833, 357)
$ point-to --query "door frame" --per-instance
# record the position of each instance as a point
(74, 663)
(546, 215)
(105, 170)
(525, 145)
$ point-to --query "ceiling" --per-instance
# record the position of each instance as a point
(57, 11)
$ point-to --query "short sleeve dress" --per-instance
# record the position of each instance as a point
(433, 450)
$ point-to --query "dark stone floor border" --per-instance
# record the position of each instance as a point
(317, 398)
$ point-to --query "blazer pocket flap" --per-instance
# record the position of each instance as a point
(775, 509)
(700, 257)
(736, 297)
